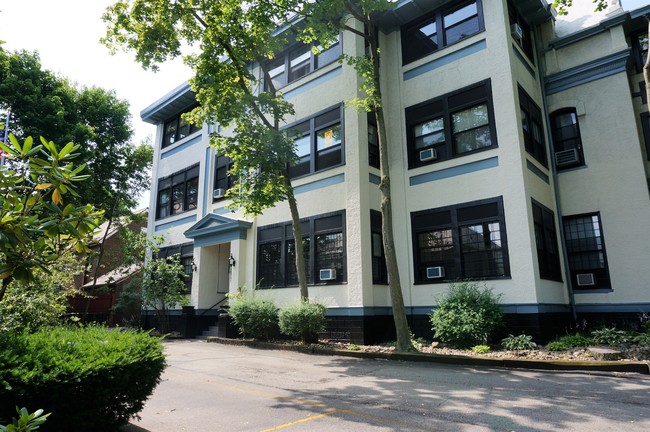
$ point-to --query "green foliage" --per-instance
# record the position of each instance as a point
(481, 349)
(521, 342)
(304, 320)
(611, 336)
(129, 304)
(576, 340)
(163, 287)
(642, 338)
(562, 5)
(35, 227)
(91, 378)
(41, 302)
(557, 346)
(467, 314)
(255, 316)
(25, 422)
(353, 347)
(44, 104)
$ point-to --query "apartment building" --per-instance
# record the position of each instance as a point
(519, 156)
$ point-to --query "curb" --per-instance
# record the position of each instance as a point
(550, 365)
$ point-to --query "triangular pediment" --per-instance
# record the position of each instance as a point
(214, 229)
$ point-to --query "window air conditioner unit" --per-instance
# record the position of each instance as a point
(516, 32)
(566, 157)
(428, 154)
(327, 274)
(218, 193)
(435, 272)
(586, 279)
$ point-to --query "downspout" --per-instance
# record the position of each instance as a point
(556, 190)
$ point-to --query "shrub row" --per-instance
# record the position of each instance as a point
(257, 317)
(90, 378)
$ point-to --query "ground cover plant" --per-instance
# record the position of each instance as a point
(89, 378)
(521, 342)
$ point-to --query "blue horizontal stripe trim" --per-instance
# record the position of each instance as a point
(181, 147)
(445, 60)
(319, 184)
(613, 308)
(525, 308)
(309, 85)
(588, 72)
(175, 223)
(375, 179)
(538, 172)
(471, 167)
(222, 211)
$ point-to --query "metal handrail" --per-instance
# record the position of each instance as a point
(214, 305)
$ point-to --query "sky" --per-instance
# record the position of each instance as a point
(66, 35)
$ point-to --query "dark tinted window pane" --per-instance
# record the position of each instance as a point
(481, 251)
(192, 193)
(299, 63)
(270, 255)
(329, 254)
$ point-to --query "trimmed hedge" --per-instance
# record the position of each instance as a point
(304, 320)
(90, 378)
(255, 316)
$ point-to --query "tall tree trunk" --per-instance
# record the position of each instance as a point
(297, 236)
(394, 284)
(5, 283)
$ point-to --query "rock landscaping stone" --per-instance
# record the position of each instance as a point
(602, 353)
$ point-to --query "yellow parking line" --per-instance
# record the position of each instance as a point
(286, 425)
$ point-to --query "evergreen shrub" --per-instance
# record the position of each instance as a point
(90, 379)
(255, 316)
(467, 314)
(304, 320)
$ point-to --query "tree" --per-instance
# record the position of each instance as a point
(325, 19)
(43, 104)
(562, 8)
(233, 35)
(163, 287)
(35, 227)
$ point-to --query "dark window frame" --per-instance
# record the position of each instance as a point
(180, 180)
(373, 142)
(313, 63)
(222, 165)
(186, 259)
(410, 37)
(318, 159)
(638, 51)
(645, 127)
(280, 236)
(526, 42)
(531, 120)
(548, 254)
(181, 129)
(572, 245)
(377, 254)
(447, 222)
(563, 143)
(445, 107)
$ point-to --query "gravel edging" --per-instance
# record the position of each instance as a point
(589, 366)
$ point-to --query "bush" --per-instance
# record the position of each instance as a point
(467, 315)
(254, 316)
(304, 320)
(481, 349)
(575, 341)
(90, 378)
(518, 343)
(642, 339)
(611, 336)
(557, 346)
(25, 422)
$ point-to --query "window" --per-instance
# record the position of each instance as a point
(567, 144)
(548, 257)
(525, 42)
(440, 29)
(298, 61)
(319, 143)
(531, 123)
(178, 193)
(645, 125)
(222, 181)
(450, 126)
(324, 249)
(177, 128)
(186, 259)
(379, 270)
(585, 248)
(373, 142)
(460, 242)
(640, 49)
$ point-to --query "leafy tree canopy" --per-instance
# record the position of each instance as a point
(43, 104)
